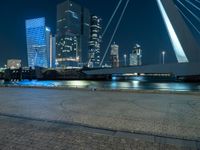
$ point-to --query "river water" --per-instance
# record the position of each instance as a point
(128, 85)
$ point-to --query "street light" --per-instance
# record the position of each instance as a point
(125, 56)
(163, 56)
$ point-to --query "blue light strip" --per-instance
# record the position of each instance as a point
(178, 49)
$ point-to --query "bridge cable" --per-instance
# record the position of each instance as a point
(188, 20)
(197, 1)
(193, 5)
(195, 16)
(111, 18)
(108, 24)
(116, 28)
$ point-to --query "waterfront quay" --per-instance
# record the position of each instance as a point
(45, 119)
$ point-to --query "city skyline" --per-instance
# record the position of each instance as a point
(153, 38)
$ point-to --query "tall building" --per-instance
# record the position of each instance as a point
(48, 46)
(136, 56)
(115, 55)
(38, 43)
(73, 30)
(95, 42)
(52, 56)
(86, 20)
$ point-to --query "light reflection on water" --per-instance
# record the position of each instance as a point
(129, 84)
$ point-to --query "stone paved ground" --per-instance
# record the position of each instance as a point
(157, 114)
(25, 134)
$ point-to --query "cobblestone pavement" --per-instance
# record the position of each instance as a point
(169, 115)
(28, 134)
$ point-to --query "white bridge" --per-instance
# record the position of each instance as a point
(184, 44)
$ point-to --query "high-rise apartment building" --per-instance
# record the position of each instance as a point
(95, 42)
(38, 43)
(73, 30)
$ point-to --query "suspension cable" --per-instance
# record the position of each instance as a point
(197, 1)
(188, 20)
(193, 4)
(110, 20)
(108, 24)
(116, 28)
(195, 16)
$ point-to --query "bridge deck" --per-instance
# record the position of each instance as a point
(183, 69)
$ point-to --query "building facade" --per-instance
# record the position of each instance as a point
(14, 63)
(38, 43)
(95, 42)
(73, 30)
(52, 51)
(136, 56)
(48, 46)
(114, 55)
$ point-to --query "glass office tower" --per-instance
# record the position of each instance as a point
(73, 29)
(38, 40)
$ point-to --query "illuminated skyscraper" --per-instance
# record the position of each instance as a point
(95, 42)
(73, 30)
(38, 43)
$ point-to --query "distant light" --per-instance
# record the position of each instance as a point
(114, 78)
(135, 84)
(48, 29)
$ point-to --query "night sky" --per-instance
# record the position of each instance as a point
(141, 24)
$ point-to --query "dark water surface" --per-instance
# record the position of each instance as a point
(128, 84)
